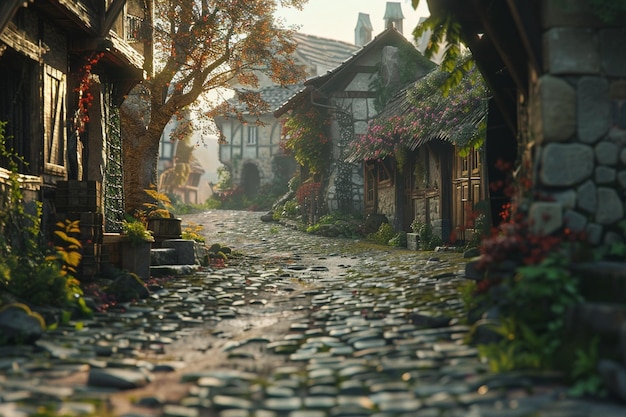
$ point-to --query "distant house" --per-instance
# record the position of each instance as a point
(353, 92)
(251, 151)
(47, 50)
(413, 169)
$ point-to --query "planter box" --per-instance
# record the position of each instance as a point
(136, 259)
(412, 241)
(164, 229)
(118, 251)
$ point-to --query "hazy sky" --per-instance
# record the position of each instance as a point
(336, 19)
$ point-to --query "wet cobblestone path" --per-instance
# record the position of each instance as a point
(300, 326)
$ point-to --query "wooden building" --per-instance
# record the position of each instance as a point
(65, 67)
(422, 156)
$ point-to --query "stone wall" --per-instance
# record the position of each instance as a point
(577, 116)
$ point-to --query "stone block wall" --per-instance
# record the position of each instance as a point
(577, 119)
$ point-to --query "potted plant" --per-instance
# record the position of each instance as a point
(135, 253)
(158, 217)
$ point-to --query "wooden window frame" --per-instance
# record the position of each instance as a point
(55, 132)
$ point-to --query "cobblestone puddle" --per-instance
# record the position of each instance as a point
(301, 326)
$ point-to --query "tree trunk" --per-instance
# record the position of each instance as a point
(140, 149)
(141, 153)
(142, 122)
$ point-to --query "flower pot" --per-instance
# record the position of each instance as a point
(164, 229)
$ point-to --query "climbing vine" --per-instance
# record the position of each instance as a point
(306, 137)
(85, 98)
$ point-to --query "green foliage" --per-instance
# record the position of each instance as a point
(384, 234)
(445, 32)
(306, 130)
(584, 372)
(337, 224)
(399, 240)
(291, 208)
(427, 239)
(28, 269)
(136, 232)
(193, 231)
(533, 336)
(68, 247)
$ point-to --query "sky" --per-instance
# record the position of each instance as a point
(336, 19)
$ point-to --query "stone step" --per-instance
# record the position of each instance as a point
(602, 281)
(185, 250)
(163, 256)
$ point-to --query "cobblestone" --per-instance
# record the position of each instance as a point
(301, 326)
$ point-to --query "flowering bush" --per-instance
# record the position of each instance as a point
(458, 117)
(306, 195)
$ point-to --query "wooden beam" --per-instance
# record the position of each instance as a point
(111, 14)
(8, 8)
(497, 77)
(501, 31)
(529, 28)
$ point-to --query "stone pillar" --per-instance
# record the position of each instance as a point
(578, 118)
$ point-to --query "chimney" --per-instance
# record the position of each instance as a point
(393, 16)
(363, 30)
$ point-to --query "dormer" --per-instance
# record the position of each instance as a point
(393, 16)
(363, 30)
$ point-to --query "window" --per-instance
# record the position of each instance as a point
(252, 134)
(134, 28)
(54, 118)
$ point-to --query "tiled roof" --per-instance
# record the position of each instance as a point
(321, 53)
(324, 54)
(389, 36)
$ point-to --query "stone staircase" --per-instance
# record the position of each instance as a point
(176, 257)
(603, 315)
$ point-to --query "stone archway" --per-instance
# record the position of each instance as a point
(250, 179)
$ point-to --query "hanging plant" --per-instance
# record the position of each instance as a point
(306, 136)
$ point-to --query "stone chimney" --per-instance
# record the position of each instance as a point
(363, 30)
(393, 16)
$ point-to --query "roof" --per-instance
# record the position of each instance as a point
(505, 40)
(389, 36)
(273, 95)
(420, 113)
(323, 53)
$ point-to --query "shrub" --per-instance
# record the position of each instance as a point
(427, 239)
(37, 274)
(384, 234)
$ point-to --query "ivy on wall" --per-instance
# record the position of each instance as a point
(305, 133)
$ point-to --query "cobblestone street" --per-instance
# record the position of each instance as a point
(300, 326)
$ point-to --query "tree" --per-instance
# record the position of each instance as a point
(201, 46)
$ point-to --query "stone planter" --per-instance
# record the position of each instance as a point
(412, 241)
(136, 259)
